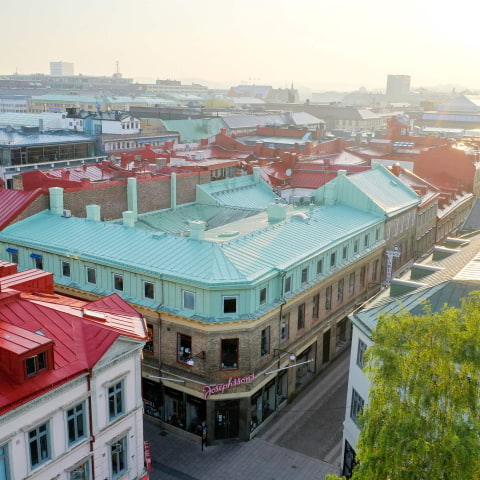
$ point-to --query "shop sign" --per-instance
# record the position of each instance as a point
(232, 382)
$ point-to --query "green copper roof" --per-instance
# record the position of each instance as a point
(192, 130)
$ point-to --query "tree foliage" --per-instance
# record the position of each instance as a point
(422, 421)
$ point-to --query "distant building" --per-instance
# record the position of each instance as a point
(13, 103)
(175, 87)
(398, 88)
(61, 69)
(266, 93)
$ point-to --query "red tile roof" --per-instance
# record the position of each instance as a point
(13, 203)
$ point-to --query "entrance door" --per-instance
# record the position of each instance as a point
(326, 346)
(226, 419)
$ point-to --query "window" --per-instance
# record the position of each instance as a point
(351, 284)
(365, 241)
(374, 270)
(355, 246)
(35, 364)
(115, 400)
(118, 451)
(37, 261)
(149, 345)
(328, 298)
(361, 353)
(184, 350)
(230, 354)
(81, 472)
(320, 267)
(288, 284)
(301, 317)
(377, 234)
(118, 282)
(357, 406)
(340, 291)
(316, 306)
(344, 253)
(229, 304)
(284, 327)
(65, 269)
(76, 423)
(148, 290)
(4, 470)
(263, 296)
(363, 275)
(304, 275)
(13, 255)
(333, 259)
(188, 300)
(265, 342)
(39, 445)
(91, 275)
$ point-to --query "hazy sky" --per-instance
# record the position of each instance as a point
(318, 44)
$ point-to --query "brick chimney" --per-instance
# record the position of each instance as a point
(396, 169)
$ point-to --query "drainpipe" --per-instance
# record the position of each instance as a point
(90, 420)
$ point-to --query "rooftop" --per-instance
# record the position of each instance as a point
(9, 139)
(13, 203)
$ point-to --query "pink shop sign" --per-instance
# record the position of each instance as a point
(232, 382)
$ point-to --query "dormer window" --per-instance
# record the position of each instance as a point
(36, 364)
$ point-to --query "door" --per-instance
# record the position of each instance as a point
(226, 419)
(326, 347)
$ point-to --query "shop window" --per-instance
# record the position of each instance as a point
(301, 317)
(351, 284)
(229, 354)
(363, 276)
(288, 284)
(333, 259)
(284, 327)
(229, 304)
(149, 344)
(362, 347)
(82, 472)
(116, 402)
(357, 406)
(340, 291)
(328, 298)
(304, 276)
(149, 290)
(184, 350)
(374, 270)
(76, 423)
(118, 282)
(265, 342)
(39, 445)
(92, 275)
(36, 364)
(316, 306)
(263, 296)
(65, 269)
(118, 456)
(188, 300)
(320, 267)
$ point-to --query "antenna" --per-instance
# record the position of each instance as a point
(118, 71)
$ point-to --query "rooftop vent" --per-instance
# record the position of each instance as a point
(439, 253)
(402, 287)
(419, 271)
(99, 316)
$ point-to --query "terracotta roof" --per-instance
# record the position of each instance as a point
(13, 203)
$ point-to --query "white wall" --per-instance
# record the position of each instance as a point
(128, 126)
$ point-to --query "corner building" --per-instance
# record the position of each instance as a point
(246, 298)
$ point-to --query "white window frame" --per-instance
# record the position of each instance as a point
(86, 275)
(194, 300)
(49, 445)
(85, 424)
(69, 268)
(122, 381)
(153, 285)
(123, 282)
(124, 440)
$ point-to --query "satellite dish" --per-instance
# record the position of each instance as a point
(288, 172)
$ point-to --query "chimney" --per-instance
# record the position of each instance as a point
(56, 200)
(93, 212)
(309, 147)
(223, 131)
(128, 218)
(396, 169)
(173, 191)
(132, 195)
(258, 148)
(204, 142)
(277, 212)
(256, 174)
(197, 229)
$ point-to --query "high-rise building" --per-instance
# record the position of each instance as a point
(398, 88)
(61, 69)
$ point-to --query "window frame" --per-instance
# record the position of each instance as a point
(340, 290)
(333, 259)
(351, 284)
(290, 283)
(149, 346)
(316, 307)
(263, 298)
(13, 256)
(320, 266)
(124, 441)
(37, 440)
(120, 276)
(91, 269)
(184, 303)
(222, 367)
(74, 417)
(86, 464)
(118, 414)
(145, 282)
(361, 349)
(68, 264)
(356, 246)
(36, 360)
(304, 276)
(328, 298)
(345, 252)
(230, 297)
(265, 336)
(4, 457)
(357, 405)
(286, 321)
(301, 316)
(187, 356)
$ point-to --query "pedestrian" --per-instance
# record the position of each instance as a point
(204, 435)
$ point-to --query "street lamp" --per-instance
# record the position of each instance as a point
(292, 356)
(200, 355)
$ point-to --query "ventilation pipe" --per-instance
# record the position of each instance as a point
(173, 191)
(56, 200)
(128, 218)
(197, 229)
(93, 212)
(132, 196)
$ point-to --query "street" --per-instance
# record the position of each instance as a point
(303, 442)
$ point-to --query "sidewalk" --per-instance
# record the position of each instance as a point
(175, 457)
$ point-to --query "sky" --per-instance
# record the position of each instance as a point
(340, 45)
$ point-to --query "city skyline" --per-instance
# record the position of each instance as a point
(314, 44)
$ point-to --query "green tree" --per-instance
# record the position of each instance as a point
(422, 421)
